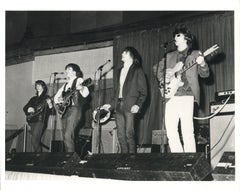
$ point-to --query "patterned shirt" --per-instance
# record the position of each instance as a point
(185, 89)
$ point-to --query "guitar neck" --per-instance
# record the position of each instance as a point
(70, 94)
(193, 62)
(209, 51)
(189, 66)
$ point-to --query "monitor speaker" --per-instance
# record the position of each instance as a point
(49, 163)
(146, 167)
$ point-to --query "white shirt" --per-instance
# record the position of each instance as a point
(122, 78)
(84, 92)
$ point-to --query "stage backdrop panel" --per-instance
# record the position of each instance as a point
(88, 60)
(19, 90)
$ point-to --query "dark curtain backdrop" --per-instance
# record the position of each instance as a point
(208, 30)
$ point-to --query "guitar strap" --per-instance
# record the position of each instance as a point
(74, 84)
(184, 55)
(73, 87)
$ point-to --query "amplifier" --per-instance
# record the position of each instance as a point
(221, 95)
(228, 108)
(109, 141)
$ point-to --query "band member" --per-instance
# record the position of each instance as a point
(180, 106)
(69, 101)
(129, 96)
(37, 111)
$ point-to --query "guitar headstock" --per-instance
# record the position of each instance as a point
(212, 50)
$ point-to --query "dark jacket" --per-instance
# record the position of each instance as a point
(40, 105)
(134, 88)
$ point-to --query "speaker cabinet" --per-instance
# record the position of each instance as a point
(49, 163)
(146, 167)
(222, 131)
(108, 142)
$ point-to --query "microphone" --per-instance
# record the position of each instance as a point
(101, 66)
(56, 73)
(167, 43)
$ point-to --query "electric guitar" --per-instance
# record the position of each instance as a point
(173, 75)
(66, 102)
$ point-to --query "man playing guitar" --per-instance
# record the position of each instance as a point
(37, 112)
(180, 105)
(71, 116)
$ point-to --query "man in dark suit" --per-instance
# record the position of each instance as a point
(129, 96)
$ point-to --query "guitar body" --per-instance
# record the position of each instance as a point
(173, 81)
(34, 116)
(62, 107)
(172, 87)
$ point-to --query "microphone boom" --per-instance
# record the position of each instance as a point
(101, 66)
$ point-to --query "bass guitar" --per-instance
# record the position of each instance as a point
(66, 102)
(173, 75)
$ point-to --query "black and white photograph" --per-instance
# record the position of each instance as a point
(120, 98)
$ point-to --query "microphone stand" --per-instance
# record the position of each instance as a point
(163, 130)
(53, 122)
(164, 100)
(98, 111)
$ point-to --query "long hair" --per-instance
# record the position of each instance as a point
(134, 55)
(75, 68)
(187, 35)
(44, 86)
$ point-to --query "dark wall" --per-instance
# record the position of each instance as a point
(34, 24)
(29, 31)
(16, 24)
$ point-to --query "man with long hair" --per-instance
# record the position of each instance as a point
(180, 107)
(129, 96)
(37, 111)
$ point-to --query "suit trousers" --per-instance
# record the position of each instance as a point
(180, 108)
(36, 132)
(70, 121)
(125, 129)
